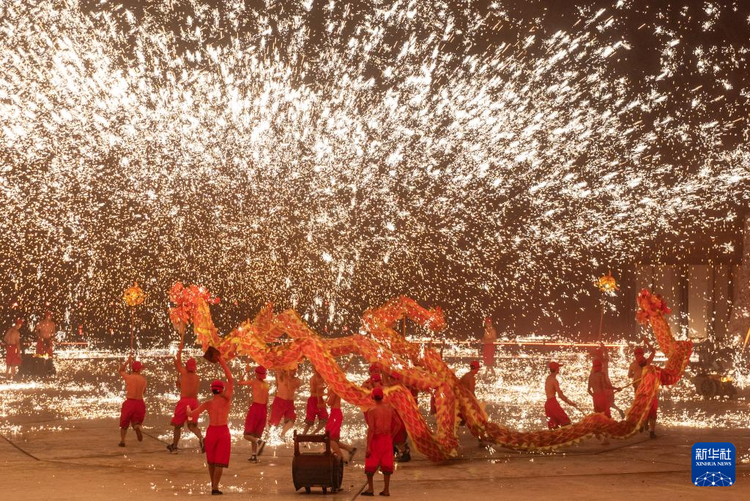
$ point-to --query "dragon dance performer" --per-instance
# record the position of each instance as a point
(555, 413)
(218, 441)
(45, 332)
(188, 382)
(333, 427)
(488, 345)
(635, 372)
(598, 389)
(603, 355)
(316, 405)
(400, 438)
(133, 410)
(287, 383)
(379, 443)
(13, 349)
(255, 421)
(469, 381)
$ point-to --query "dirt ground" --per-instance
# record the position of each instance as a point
(58, 441)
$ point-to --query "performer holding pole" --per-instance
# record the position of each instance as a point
(635, 372)
(218, 441)
(333, 427)
(282, 407)
(555, 413)
(188, 382)
(133, 410)
(255, 421)
(379, 443)
(316, 405)
(598, 389)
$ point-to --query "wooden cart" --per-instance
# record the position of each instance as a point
(316, 469)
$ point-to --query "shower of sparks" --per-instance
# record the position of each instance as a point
(89, 388)
(330, 155)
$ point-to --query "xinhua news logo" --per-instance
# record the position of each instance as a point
(713, 464)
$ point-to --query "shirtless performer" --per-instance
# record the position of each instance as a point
(133, 410)
(333, 427)
(316, 405)
(45, 332)
(255, 421)
(488, 345)
(218, 439)
(598, 389)
(379, 443)
(287, 383)
(13, 351)
(635, 373)
(188, 382)
(555, 413)
(603, 355)
(469, 381)
(400, 437)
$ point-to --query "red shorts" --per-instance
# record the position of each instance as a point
(218, 445)
(133, 412)
(654, 407)
(180, 411)
(488, 354)
(381, 454)
(282, 408)
(255, 421)
(333, 427)
(601, 403)
(44, 347)
(12, 357)
(399, 437)
(555, 413)
(313, 411)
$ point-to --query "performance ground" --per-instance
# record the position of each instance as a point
(83, 462)
(59, 441)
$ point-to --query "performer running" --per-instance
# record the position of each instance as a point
(133, 410)
(488, 345)
(316, 405)
(598, 388)
(188, 382)
(555, 413)
(379, 443)
(218, 439)
(255, 421)
(635, 373)
(287, 383)
(45, 331)
(333, 427)
(13, 351)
